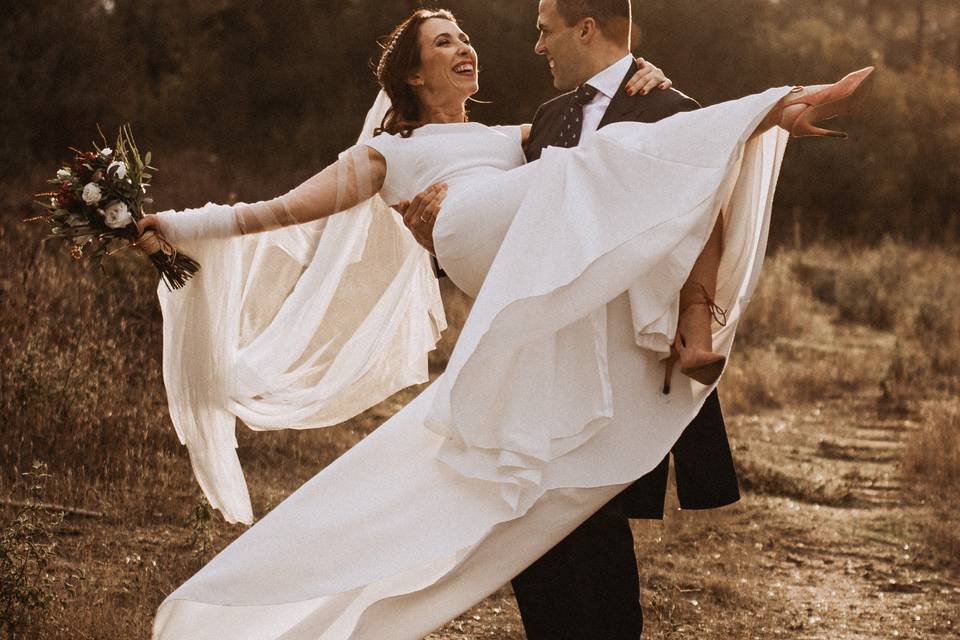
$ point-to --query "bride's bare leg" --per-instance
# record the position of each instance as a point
(693, 347)
(695, 323)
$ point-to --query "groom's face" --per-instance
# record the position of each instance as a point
(558, 42)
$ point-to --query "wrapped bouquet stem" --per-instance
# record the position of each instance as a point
(174, 266)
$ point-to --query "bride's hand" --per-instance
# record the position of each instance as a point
(159, 222)
(149, 221)
(647, 78)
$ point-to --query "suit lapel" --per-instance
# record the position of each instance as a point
(622, 106)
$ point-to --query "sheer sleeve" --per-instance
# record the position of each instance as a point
(355, 177)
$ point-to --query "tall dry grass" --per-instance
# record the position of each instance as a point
(786, 351)
(905, 296)
(933, 458)
(909, 291)
(81, 387)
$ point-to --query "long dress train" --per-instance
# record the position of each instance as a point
(551, 401)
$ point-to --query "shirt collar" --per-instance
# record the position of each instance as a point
(609, 80)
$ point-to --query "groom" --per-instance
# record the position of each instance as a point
(587, 587)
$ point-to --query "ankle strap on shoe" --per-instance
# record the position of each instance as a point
(717, 312)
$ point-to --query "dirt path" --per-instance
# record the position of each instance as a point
(826, 544)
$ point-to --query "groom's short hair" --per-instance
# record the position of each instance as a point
(609, 14)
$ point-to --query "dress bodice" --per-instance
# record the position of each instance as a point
(445, 153)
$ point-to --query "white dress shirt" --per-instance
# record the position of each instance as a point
(607, 83)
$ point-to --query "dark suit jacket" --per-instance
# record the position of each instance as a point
(705, 474)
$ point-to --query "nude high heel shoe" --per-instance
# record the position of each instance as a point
(821, 103)
(701, 364)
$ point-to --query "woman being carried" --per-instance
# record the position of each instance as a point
(547, 408)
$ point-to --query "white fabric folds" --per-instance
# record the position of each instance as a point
(597, 235)
(548, 407)
(296, 328)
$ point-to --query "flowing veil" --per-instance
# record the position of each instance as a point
(297, 328)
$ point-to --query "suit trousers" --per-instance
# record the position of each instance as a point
(585, 588)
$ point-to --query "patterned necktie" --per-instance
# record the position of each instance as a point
(572, 123)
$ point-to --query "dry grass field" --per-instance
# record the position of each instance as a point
(842, 405)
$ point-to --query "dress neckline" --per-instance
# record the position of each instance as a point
(447, 124)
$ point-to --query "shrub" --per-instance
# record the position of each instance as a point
(201, 531)
(28, 591)
(933, 453)
(781, 307)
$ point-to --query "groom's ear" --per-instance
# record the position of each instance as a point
(586, 30)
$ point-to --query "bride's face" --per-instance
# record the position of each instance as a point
(448, 63)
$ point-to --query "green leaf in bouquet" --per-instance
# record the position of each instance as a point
(147, 158)
(74, 232)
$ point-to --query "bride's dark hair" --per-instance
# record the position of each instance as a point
(400, 58)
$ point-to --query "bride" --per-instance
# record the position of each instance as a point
(551, 402)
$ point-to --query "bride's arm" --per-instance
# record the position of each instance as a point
(356, 176)
(525, 133)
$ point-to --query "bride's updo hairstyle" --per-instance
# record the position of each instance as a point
(400, 59)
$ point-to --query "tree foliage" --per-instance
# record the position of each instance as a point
(277, 89)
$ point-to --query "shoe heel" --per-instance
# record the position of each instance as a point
(804, 129)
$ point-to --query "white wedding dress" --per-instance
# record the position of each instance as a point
(551, 402)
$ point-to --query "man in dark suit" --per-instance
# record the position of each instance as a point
(587, 587)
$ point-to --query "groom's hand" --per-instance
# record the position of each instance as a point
(420, 214)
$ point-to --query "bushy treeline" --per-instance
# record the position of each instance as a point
(274, 90)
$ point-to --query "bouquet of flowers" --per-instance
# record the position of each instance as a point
(97, 203)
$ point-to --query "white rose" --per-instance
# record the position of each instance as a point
(106, 152)
(92, 193)
(120, 167)
(64, 174)
(117, 215)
